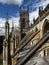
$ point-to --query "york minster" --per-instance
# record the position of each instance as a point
(24, 32)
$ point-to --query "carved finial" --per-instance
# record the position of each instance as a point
(40, 10)
(33, 20)
(12, 26)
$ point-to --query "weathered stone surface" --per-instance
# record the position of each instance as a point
(38, 61)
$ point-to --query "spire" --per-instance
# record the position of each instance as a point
(40, 11)
(12, 29)
(6, 27)
(12, 26)
(6, 23)
(7, 17)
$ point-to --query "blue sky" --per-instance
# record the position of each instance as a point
(13, 9)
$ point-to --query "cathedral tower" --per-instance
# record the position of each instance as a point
(24, 21)
(6, 44)
(7, 28)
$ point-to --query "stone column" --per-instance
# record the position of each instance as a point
(5, 53)
(12, 49)
(4, 60)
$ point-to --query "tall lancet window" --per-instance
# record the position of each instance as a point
(5, 52)
(23, 23)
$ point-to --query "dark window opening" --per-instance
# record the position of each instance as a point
(44, 52)
(46, 28)
(23, 35)
(23, 23)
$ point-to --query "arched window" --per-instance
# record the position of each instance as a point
(23, 23)
(45, 30)
(45, 26)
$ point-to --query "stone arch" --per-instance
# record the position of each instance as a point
(45, 29)
(46, 51)
(45, 26)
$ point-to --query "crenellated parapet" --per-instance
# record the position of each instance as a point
(43, 13)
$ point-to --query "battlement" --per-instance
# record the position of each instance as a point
(43, 13)
(24, 11)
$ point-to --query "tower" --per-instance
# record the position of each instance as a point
(7, 28)
(6, 46)
(12, 43)
(12, 40)
(12, 29)
(24, 21)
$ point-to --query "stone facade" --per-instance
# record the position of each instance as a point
(11, 42)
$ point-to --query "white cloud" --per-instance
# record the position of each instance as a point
(15, 19)
(2, 21)
(18, 2)
(32, 15)
(41, 3)
(2, 24)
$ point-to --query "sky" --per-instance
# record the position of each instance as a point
(13, 9)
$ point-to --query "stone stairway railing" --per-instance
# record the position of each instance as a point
(32, 51)
(24, 43)
(24, 39)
